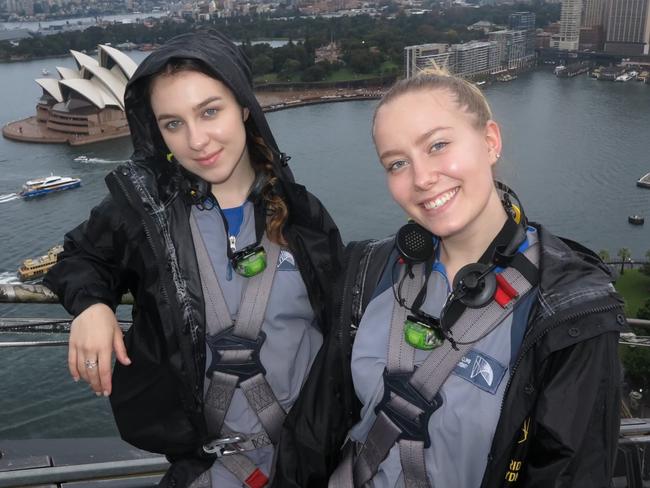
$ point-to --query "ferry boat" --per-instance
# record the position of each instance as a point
(37, 267)
(624, 77)
(49, 184)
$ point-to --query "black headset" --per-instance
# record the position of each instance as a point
(475, 283)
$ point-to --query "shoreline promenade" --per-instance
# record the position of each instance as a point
(31, 130)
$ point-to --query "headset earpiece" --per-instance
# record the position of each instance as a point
(516, 213)
(476, 284)
(414, 243)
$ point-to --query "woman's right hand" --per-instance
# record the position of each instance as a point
(94, 335)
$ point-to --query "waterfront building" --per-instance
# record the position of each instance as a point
(524, 21)
(593, 13)
(475, 58)
(543, 40)
(569, 35)
(628, 27)
(83, 105)
(21, 7)
(468, 59)
(422, 56)
(512, 48)
(591, 38)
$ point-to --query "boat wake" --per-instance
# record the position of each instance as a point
(9, 197)
(87, 160)
(8, 278)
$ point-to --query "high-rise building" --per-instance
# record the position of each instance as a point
(469, 59)
(569, 36)
(475, 57)
(628, 27)
(512, 48)
(593, 13)
(521, 21)
(422, 56)
(524, 21)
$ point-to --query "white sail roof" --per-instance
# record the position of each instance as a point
(109, 55)
(101, 82)
(108, 79)
(51, 86)
(83, 59)
(84, 88)
(67, 73)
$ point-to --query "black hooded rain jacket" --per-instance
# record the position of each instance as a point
(138, 239)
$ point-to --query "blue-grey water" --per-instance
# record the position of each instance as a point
(573, 150)
(80, 21)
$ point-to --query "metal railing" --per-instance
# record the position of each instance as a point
(635, 433)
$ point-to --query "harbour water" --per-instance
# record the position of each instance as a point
(573, 150)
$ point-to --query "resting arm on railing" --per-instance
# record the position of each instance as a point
(88, 280)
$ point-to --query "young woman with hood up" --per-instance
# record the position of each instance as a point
(229, 262)
(487, 353)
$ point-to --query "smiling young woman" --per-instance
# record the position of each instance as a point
(203, 127)
(229, 261)
(486, 354)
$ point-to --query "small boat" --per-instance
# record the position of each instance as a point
(81, 159)
(45, 72)
(49, 184)
(644, 181)
(507, 77)
(636, 220)
(37, 267)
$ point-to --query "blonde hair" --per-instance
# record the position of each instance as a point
(467, 95)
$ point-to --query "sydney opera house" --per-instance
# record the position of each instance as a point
(85, 105)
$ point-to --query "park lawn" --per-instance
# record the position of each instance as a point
(267, 78)
(345, 75)
(635, 288)
(388, 67)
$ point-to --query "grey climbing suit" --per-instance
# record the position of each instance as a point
(410, 393)
(238, 344)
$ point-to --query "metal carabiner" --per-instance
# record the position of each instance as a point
(220, 446)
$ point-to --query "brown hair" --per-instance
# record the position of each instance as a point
(467, 96)
(261, 155)
(276, 208)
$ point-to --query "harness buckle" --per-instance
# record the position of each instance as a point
(414, 427)
(225, 446)
(242, 368)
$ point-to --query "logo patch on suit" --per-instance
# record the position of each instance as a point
(286, 262)
(481, 370)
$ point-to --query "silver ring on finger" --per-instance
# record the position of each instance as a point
(90, 363)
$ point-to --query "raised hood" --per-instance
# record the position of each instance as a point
(228, 63)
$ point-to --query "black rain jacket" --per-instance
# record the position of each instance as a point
(560, 416)
(138, 239)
